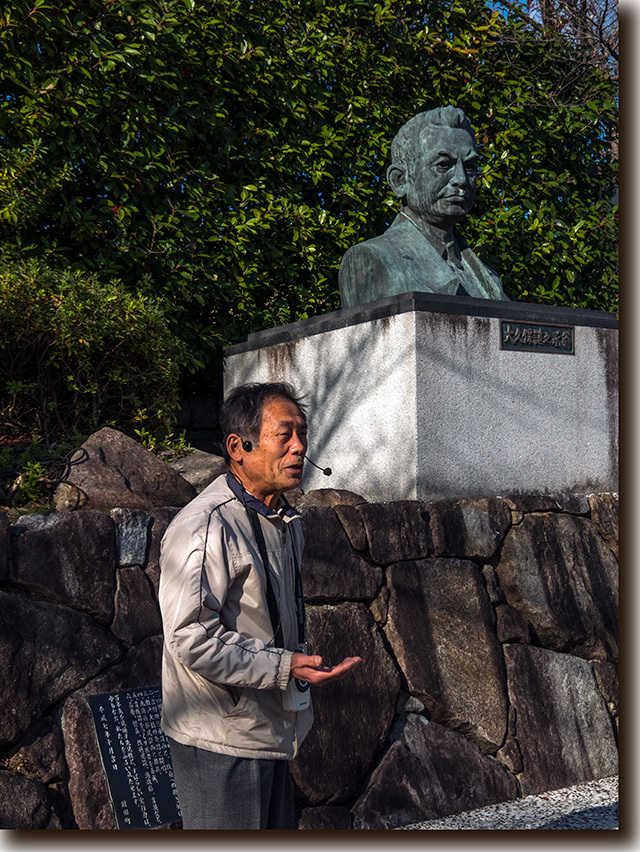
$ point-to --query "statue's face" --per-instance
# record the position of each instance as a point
(444, 183)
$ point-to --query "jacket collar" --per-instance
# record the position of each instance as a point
(285, 511)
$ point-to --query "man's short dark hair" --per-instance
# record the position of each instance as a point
(241, 411)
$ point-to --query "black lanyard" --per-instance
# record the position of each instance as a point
(272, 603)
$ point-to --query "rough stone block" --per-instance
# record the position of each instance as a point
(604, 514)
(325, 818)
(88, 789)
(558, 572)
(352, 716)
(441, 627)
(413, 705)
(137, 614)
(471, 529)
(199, 469)
(45, 652)
(5, 545)
(572, 504)
(40, 754)
(496, 595)
(397, 532)
(398, 726)
(69, 558)
(27, 804)
(607, 679)
(351, 520)
(117, 472)
(429, 773)
(510, 755)
(512, 626)
(295, 496)
(329, 497)
(380, 606)
(563, 729)
(330, 569)
(160, 520)
(132, 527)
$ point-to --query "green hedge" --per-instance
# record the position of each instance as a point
(223, 155)
(77, 353)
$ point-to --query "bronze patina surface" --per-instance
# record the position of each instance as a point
(434, 174)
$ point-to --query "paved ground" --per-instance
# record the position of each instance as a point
(587, 806)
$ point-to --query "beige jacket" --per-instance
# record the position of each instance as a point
(222, 679)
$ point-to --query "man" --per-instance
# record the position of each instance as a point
(234, 667)
(434, 174)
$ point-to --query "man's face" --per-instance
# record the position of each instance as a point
(444, 184)
(275, 464)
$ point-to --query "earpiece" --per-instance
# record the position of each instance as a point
(247, 446)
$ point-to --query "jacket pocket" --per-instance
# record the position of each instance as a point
(235, 693)
(221, 699)
(237, 701)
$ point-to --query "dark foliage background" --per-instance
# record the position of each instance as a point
(218, 158)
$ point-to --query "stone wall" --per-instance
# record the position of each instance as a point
(488, 631)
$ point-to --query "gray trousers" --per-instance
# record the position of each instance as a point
(217, 791)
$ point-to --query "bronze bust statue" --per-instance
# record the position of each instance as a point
(434, 173)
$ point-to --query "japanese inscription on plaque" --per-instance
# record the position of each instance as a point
(533, 337)
(136, 757)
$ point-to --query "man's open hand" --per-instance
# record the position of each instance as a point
(311, 669)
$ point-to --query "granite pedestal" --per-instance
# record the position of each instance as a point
(421, 397)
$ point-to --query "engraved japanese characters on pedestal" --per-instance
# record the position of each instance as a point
(434, 174)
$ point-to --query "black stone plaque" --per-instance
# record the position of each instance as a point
(136, 757)
(534, 337)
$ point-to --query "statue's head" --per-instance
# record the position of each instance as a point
(434, 166)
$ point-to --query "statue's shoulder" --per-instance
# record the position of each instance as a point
(364, 261)
(375, 245)
(369, 270)
(385, 244)
(397, 261)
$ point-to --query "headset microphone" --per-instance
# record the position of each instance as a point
(247, 446)
(326, 470)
